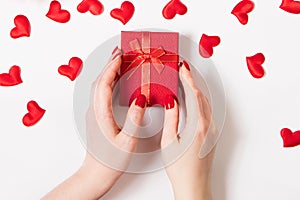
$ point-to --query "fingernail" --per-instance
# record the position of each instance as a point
(180, 64)
(115, 56)
(114, 51)
(169, 102)
(141, 101)
(117, 77)
(186, 65)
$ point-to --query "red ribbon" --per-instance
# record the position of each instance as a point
(143, 56)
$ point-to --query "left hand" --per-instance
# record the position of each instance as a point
(105, 139)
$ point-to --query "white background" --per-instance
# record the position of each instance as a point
(250, 161)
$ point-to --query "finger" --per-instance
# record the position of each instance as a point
(210, 140)
(207, 108)
(102, 108)
(191, 92)
(102, 96)
(185, 74)
(195, 116)
(211, 135)
(195, 99)
(110, 72)
(171, 119)
(113, 56)
(134, 116)
(117, 78)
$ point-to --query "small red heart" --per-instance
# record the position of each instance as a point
(254, 64)
(35, 113)
(123, 14)
(94, 6)
(174, 7)
(57, 14)
(206, 45)
(290, 6)
(72, 70)
(290, 139)
(12, 78)
(242, 9)
(22, 28)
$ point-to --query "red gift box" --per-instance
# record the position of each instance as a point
(149, 66)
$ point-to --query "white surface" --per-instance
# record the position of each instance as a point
(250, 161)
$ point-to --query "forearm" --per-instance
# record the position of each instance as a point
(193, 186)
(90, 182)
(196, 193)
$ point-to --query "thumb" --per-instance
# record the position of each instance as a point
(134, 116)
(170, 121)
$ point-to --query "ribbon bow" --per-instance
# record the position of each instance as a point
(145, 56)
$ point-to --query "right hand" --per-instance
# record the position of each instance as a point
(189, 175)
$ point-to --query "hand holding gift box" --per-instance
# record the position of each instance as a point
(149, 67)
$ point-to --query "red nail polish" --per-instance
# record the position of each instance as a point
(186, 65)
(141, 101)
(180, 64)
(169, 102)
(114, 51)
(117, 77)
(118, 54)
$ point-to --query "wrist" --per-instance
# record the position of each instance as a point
(98, 174)
(205, 195)
(196, 192)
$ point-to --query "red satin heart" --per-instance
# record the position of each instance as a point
(123, 14)
(242, 9)
(206, 45)
(290, 139)
(174, 7)
(72, 70)
(12, 78)
(57, 14)
(22, 28)
(35, 114)
(94, 6)
(254, 64)
(290, 6)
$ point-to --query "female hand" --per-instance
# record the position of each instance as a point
(106, 141)
(190, 173)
